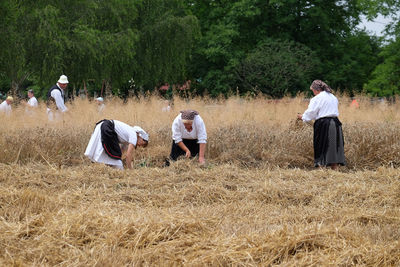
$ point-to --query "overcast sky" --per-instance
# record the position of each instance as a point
(376, 26)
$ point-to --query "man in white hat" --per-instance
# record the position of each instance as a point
(6, 105)
(56, 97)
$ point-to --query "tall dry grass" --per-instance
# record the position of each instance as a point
(253, 132)
(258, 202)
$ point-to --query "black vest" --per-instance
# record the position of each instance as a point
(50, 99)
(109, 139)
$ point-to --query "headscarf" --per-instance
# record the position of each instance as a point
(321, 86)
(188, 115)
(142, 133)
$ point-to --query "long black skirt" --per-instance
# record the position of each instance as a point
(328, 142)
(191, 144)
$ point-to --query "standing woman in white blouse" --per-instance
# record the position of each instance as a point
(328, 135)
(189, 136)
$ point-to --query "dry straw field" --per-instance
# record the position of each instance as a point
(257, 202)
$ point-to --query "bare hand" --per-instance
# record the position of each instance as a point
(202, 161)
(188, 154)
(299, 116)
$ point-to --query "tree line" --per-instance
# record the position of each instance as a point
(246, 47)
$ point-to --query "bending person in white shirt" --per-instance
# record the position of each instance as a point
(111, 138)
(328, 134)
(189, 136)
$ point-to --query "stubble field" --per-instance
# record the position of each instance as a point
(258, 201)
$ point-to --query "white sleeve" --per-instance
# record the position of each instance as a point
(312, 111)
(201, 130)
(176, 130)
(132, 138)
(35, 102)
(59, 100)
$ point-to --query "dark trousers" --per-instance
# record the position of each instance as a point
(176, 151)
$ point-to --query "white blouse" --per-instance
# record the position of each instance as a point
(322, 105)
(126, 133)
(198, 131)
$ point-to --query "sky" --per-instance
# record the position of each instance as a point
(377, 26)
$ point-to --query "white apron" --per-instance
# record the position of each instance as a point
(95, 151)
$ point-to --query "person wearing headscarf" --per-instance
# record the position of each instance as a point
(112, 137)
(328, 135)
(189, 136)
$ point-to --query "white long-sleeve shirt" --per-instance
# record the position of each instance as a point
(126, 133)
(6, 108)
(198, 131)
(33, 102)
(322, 105)
(56, 94)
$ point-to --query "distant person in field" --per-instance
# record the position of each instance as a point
(5, 107)
(56, 98)
(32, 103)
(166, 107)
(111, 138)
(354, 104)
(189, 136)
(100, 104)
(328, 135)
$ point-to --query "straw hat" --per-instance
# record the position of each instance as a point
(63, 79)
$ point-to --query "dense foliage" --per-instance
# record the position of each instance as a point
(275, 47)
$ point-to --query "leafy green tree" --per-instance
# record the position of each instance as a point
(233, 29)
(112, 41)
(167, 34)
(46, 42)
(277, 68)
(87, 40)
(386, 76)
(12, 52)
(358, 58)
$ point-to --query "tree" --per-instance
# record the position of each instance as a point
(233, 29)
(12, 52)
(385, 79)
(167, 36)
(277, 68)
(84, 39)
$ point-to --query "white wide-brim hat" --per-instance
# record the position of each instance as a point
(100, 99)
(63, 79)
